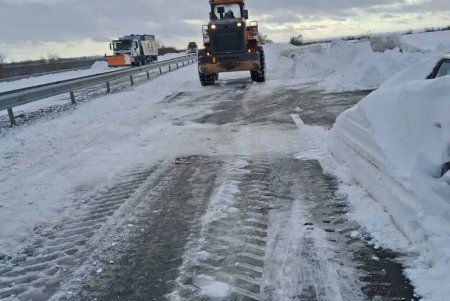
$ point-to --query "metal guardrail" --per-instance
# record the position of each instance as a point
(15, 98)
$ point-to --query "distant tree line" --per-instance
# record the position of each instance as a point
(432, 29)
(298, 40)
(163, 49)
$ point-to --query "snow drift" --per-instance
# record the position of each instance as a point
(341, 65)
(394, 143)
(381, 43)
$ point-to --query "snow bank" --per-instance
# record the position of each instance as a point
(349, 65)
(96, 68)
(395, 142)
(99, 66)
(381, 43)
(170, 56)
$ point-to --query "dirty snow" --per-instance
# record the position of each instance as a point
(210, 288)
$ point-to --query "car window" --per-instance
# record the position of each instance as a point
(444, 69)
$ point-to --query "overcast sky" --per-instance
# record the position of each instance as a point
(30, 29)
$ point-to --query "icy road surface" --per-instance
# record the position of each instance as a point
(171, 191)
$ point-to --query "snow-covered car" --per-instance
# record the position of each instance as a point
(396, 143)
(442, 68)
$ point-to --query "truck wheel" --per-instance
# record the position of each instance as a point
(207, 79)
(260, 75)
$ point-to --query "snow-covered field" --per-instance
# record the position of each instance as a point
(97, 68)
(44, 165)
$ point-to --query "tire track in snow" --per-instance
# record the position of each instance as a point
(300, 259)
(379, 276)
(226, 259)
(145, 259)
(36, 273)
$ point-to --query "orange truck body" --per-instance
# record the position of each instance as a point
(225, 1)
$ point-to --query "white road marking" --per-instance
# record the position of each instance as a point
(298, 121)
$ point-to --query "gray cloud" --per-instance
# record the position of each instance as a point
(65, 21)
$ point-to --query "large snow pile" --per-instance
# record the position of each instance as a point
(394, 143)
(348, 65)
(99, 66)
(381, 43)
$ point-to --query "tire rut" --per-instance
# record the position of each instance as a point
(145, 260)
(230, 249)
(325, 255)
(37, 272)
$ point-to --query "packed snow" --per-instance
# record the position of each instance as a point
(43, 168)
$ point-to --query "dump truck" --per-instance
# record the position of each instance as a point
(133, 50)
(230, 44)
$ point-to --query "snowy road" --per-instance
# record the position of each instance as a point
(227, 209)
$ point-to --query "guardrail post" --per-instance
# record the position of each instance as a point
(183, 63)
(108, 87)
(177, 66)
(148, 75)
(72, 98)
(131, 80)
(170, 68)
(160, 71)
(11, 117)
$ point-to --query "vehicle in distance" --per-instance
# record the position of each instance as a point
(230, 44)
(192, 48)
(133, 50)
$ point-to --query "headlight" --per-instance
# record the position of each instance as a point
(213, 26)
(239, 24)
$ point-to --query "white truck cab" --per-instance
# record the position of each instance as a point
(133, 50)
